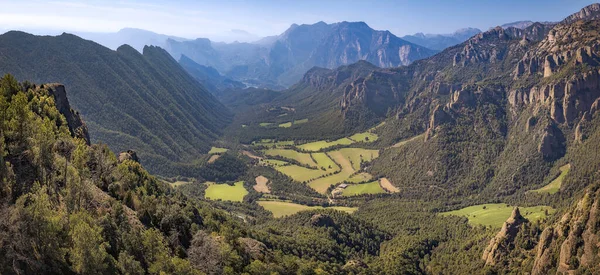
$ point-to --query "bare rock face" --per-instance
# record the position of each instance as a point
(76, 125)
(588, 13)
(552, 143)
(571, 245)
(438, 117)
(255, 249)
(566, 99)
(128, 155)
(501, 244)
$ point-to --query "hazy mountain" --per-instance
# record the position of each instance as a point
(130, 100)
(136, 38)
(441, 41)
(283, 59)
(523, 24)
(209, 76)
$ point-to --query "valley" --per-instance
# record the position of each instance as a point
(329, 148)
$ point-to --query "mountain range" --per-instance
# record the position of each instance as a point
(441, 41)
(130, 100)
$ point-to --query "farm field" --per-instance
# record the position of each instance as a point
(226, 192)
(320, 185)
(272, 143)
(323, 144)
(388, 186)
(495, 214)
(261, 185)
(273, 162)
(303, 158)
(364, 137)
(299, 173)
(360, 177)
(355, 155)
(554, 186)
(281, 208)
(324, 161)
(300, 121)
(285, 125)
(364, 188)
(217, 150)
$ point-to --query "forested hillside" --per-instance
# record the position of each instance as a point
(145, 102)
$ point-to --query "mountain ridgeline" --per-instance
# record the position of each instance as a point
(146, 102)
(280, 61)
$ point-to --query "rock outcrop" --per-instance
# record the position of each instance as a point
(552, 143)
(502, 243)
(128, 155)
(255, 249)
(571, 245)
(438, 117)
(76, 125)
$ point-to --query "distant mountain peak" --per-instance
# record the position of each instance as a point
(587, 13)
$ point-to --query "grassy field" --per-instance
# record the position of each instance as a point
(273, 162)
(272, 143)
(217, 150)
(355, 155)
(324, 161)
(280, 208)
(323, 144)
(496, 214)
(401, 143)
(361, 189)
(265, 124)
(360, 177)
(554, 186)
(364, 137)
(303, 158)
(321, 185)
(299, 173)
(179, 183)
(226, 192)
(300, 121)
(285, 125)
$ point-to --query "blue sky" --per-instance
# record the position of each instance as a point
(268, 17)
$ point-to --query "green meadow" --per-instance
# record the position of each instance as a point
(226, 192)
(281, 208)
(364, 188)
(495, 214)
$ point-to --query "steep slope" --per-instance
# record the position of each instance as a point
(282, 60)
(441, 41)
(145, 102)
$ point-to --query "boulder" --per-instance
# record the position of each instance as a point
(128, 155)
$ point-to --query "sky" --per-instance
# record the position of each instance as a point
(214, 18)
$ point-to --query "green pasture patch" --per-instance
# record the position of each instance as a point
(226, 192)
(360, 177)
(495, 214)
(303, 158)
(299, 173)
(358, 155)
(364, 137)
(555, 185)
(324, 144)
(217, 150)
(281, 208)
(285, 125)
(323, 161)
(364, 188)
(265, 124)
(300, 121)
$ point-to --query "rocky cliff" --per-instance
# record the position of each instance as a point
(571, 244)
(76, 125)
(502, 243)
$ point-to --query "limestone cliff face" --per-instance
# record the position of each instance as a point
(502, 243)
(571, 244)
(76, 125)
(567, 99)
